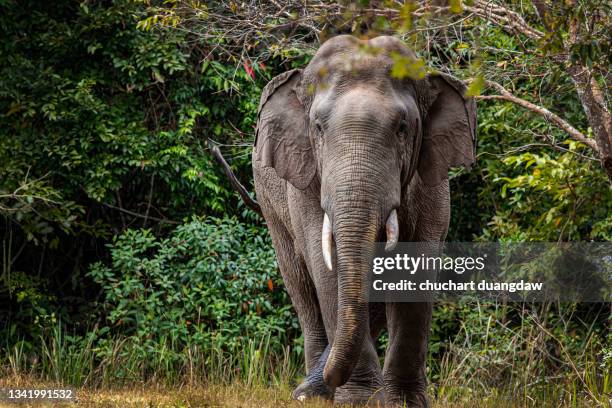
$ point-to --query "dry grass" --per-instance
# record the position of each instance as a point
(234, 396)
(180, 397)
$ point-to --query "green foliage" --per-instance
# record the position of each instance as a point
(96, 111)
(530, 182)
(207, 300)
(407, 67)
(103, 127)
(552, 199)
(212, 283)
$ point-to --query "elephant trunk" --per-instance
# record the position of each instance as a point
(355, 238)
(361, 213)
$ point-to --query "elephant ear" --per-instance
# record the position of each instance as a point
(449, 132)
(281, 140)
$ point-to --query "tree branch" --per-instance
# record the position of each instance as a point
(592, 99)
(548, 115)
(146, 217)
(597, 113)
(240, 189)
(507, 19)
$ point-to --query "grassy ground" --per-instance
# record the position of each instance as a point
(490, 363)
(240, 395)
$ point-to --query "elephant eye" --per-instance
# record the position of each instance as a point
(403, 128)
(319, 129)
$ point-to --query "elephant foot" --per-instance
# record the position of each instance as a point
(364, 388)
(352, 394)
(408, 400)
(313, 385)
(312, 388)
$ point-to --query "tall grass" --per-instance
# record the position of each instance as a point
(525, 362)
(537, 362)
(118, 362)
(66, 359)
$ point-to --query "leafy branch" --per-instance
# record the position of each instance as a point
(547, 114)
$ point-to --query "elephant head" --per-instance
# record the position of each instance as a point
(362, 135)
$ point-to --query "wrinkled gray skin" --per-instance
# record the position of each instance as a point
(343, 137)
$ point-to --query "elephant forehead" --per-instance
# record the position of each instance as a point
(348, 43)
(353, 65)
(350, 55)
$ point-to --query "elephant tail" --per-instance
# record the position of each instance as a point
(244, 194)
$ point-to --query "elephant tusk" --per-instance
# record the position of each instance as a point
(326, 242)
(392, 228)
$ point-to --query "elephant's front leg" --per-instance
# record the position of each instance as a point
(304, 299)
(425, 215)
(303, 296)
(404, 371)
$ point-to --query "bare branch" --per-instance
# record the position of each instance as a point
(507, 19)
(135, 214)
(246, 198)
(592, 100)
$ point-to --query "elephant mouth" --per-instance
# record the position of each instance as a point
(327, 236)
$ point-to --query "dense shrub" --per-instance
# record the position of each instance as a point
(212, 283)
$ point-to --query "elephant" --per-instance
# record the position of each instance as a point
(347, 155)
